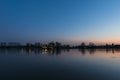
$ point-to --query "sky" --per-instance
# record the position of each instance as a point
(66, 21)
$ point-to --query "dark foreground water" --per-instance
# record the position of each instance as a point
(60, 65)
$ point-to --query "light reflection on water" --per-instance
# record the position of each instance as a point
(74, 64)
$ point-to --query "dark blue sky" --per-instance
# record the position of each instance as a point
(60, 20)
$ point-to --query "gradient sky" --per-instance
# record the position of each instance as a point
(60, 20)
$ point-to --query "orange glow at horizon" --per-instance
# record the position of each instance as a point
(97, 42)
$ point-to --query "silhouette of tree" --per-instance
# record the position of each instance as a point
(3, 44)
(91, 45)
(58, 45)
(37, 44)
(51, 45)
(112, 45)
(83, 45)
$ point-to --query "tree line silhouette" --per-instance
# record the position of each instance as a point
(57, 45)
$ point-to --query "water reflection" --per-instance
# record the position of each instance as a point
(55, 51)
(95, 64)
(30, 50)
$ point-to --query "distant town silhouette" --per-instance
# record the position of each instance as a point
(56, 47)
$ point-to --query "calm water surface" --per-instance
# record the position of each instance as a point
(59, 65)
